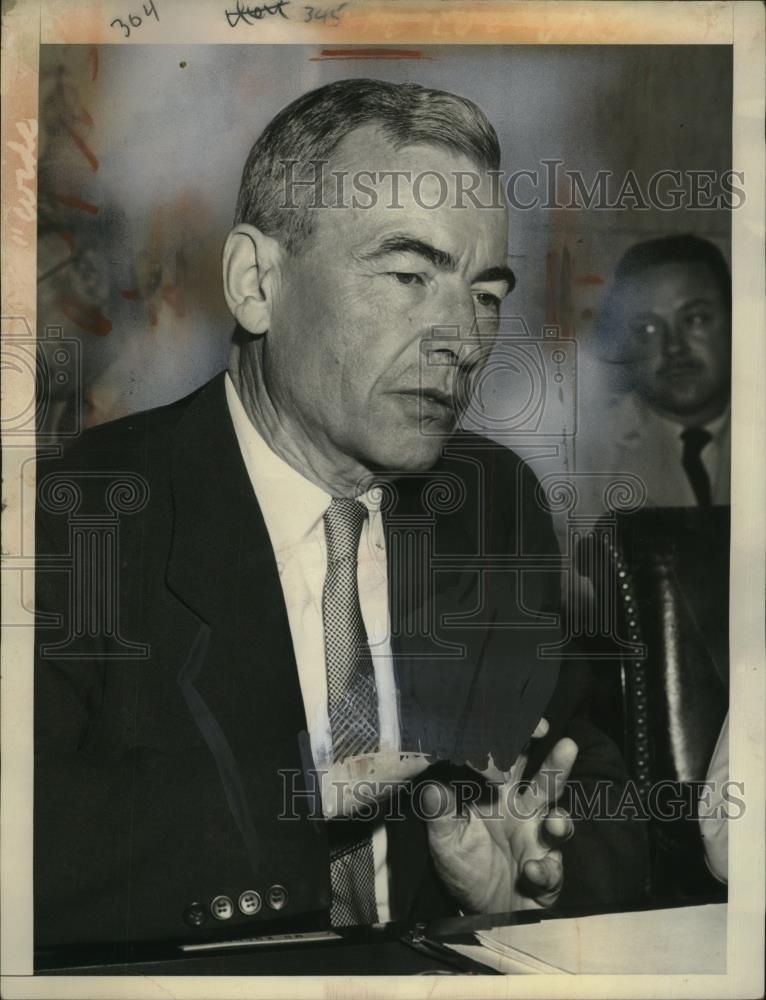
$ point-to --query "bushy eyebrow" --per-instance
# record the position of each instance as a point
(498, 273)
(408, 244)
(689, 304)
(699, 301)
(440, 259)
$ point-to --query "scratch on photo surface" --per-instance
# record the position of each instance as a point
(158, 984)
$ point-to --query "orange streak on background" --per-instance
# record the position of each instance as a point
(86, 151)
(84, 206)
(88, 319)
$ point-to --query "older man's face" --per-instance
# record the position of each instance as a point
(354, 307)
(679, 334)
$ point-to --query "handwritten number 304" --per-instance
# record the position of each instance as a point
(135, 20)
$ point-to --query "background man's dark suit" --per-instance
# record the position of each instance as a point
(156, 782)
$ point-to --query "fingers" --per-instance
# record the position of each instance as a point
(541, 729)
(557, 827)
(445, 822)
(469, 855)
(451, 838)
(548, 784)
(544, 876)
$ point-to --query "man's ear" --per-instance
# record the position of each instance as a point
(250, 270)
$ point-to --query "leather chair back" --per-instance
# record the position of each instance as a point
(670, 567)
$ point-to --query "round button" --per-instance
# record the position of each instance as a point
(195, 914)
(249, 902)
(222, 908)
(276, 897)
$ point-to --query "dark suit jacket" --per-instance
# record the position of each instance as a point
(168, 711)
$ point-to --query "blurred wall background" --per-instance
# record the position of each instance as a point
(141, 150)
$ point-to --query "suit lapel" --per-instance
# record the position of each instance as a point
(466, 650)
(239, 678)
(435, 657)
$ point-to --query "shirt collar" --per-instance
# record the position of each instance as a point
(292, 506)
(715, 428)
(639, 415)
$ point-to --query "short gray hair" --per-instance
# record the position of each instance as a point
(311, 127)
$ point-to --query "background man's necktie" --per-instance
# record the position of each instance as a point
(695, 439)
(352, 706)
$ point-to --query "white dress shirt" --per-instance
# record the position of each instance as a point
(630, 437)
(293, 509)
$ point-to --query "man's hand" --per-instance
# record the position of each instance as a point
(505, 858)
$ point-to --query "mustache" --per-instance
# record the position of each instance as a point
(685, 365)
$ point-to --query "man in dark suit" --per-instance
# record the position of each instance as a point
(280, 617)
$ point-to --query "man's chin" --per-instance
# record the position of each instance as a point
(687, 406)
(404, 455)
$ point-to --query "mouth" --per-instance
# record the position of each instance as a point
(431, 402)
(681, 370)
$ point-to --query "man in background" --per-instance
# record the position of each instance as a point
(663, 440)
(667, 328)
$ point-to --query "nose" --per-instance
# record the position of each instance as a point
(456, 306)
(675, 341)
(452, 318)
(451, 339)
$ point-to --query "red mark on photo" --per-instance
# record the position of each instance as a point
(169, 293)
(84, 206)
(86, 317)
(350, 54)
(93, 60)
(174, 298)
(84, 148)
(134, 295)
(589, 279)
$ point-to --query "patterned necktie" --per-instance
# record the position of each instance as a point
(695, 439)
(352, 706)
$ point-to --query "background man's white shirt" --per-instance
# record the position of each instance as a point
(293, 509)
(631, 437)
